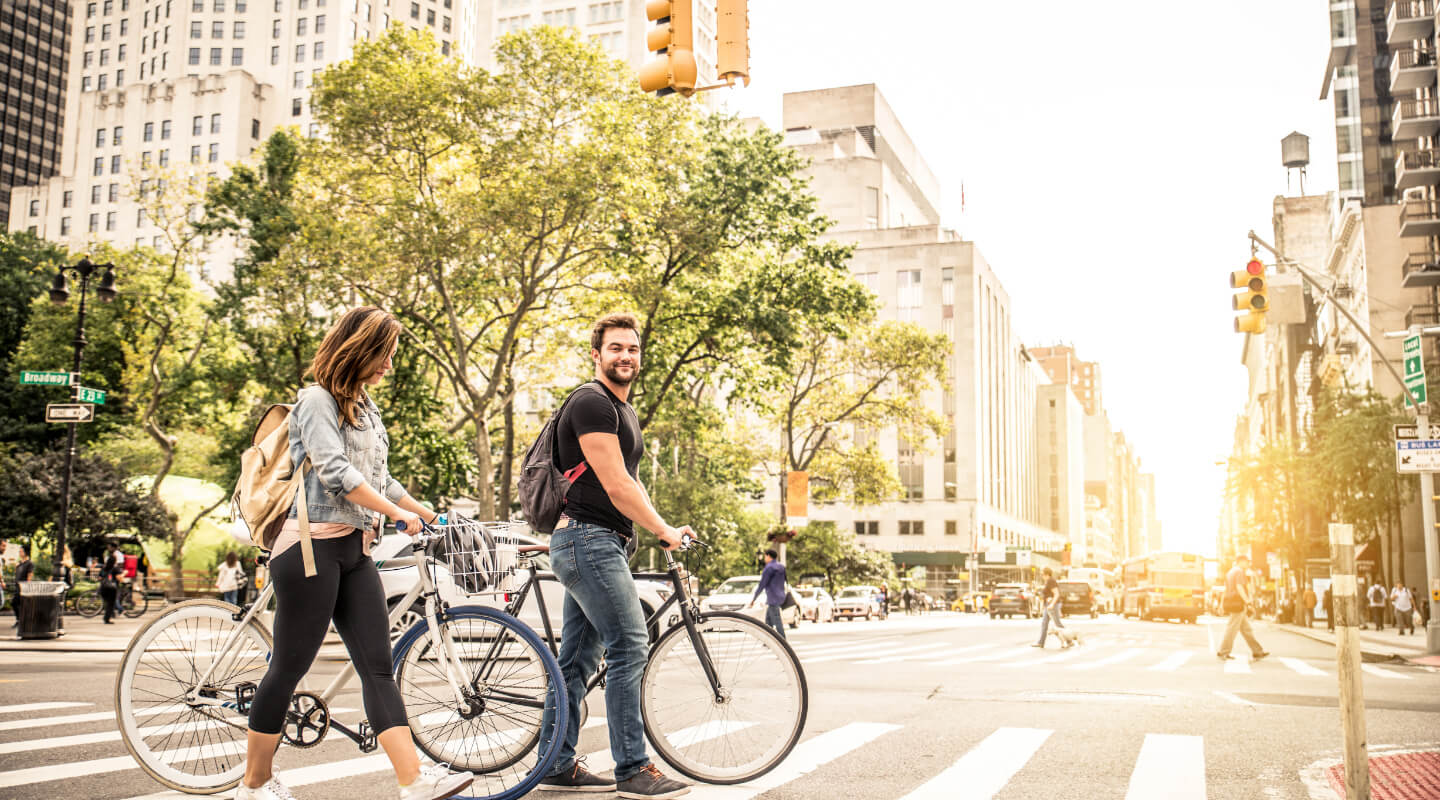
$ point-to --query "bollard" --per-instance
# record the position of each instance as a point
(1347, 654)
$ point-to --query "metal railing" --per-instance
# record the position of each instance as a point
(1419, 211)
(1423, 315)
(1427, 158)
(1414, 109)
(1412, 57)
(1428, 262)
(1405, 10)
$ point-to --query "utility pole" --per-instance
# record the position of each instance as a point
(1347, 648)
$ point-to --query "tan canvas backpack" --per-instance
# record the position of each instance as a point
(269, 485)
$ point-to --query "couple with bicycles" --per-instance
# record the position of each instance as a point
(331, 577)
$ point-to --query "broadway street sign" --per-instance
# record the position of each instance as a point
(30, 378)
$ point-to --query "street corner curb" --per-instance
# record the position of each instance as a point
(1368, 651)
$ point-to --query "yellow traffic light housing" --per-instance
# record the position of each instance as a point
(1254, 300)
(674, 69)
(732, 34)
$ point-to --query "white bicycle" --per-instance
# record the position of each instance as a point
(475, 681)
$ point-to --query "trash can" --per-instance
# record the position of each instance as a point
(39, 607)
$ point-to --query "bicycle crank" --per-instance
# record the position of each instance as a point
(307, 721)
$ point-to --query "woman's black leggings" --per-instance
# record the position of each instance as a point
(346, 588)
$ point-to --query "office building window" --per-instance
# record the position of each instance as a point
(414, 11)
(214, 153)
(90, 35)
(275, 30)
(145, 160)
(299, 53)
(99, 165)
(239, 31)
(302, 26)
(194, 154)
(165, 157)
(110, 217)
(113, 195)
(96, 193)
(94, 222)
(114, 165)
(214, 123)
(194, 58)
(120, 53)
(296, 107)
(34, 208)
(149, 134)
(85, 84)
(197, 126)
(445, 24)
(912, 527)
(952, 528)
(907, 296)
(867, 528)
(105, 33)
(217, 56)
(274, 56)
(430, 17)
(299, 80)
(64, 226)
(912, 471)
(197, 30)
(89, 10)
(319, 54)
(237, 56)
(197, 5)
(124, 26)
(119, 78)
(219, 6)
(319, 24)
(254, 129)
(89, 59)
(217, 30)
(117, 135)
(165, 130)
(103, 82)
(241, 6)
(140, 217)
(100, 137)
(104, 58)
(67, 198)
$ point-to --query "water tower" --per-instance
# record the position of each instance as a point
(1295, 154)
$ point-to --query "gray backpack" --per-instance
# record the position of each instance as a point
(542, 485)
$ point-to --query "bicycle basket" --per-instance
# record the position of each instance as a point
(481, 556)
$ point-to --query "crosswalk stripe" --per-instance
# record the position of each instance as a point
(1003, 654)
(23, 707)
(1173, 662)
(838, 654)
(602, 760)
(983, 771)
(1123, 655)
(1301, 667)
(1381, 672)
(913, 652)
(56, 772)
(807, 756)
(1063, 655)
(1169, 766)
(1238, 666)
(305, 776)
(76, 719)
(825, 648)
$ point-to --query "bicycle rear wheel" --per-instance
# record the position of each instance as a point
(511, 680)
(195, 746)
(89, 604)
(136, 604)
(758, 717)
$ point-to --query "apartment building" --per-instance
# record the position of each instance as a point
(33, 62)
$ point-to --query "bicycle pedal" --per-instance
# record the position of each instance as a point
(368, 741)
(244, 696)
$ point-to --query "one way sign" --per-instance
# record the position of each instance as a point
(70, 412)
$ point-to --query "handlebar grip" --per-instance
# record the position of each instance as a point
(400, 525)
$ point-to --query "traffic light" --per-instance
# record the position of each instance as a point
(732, 29)
(1254, 300)
(674, 69)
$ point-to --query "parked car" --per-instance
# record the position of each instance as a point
(397, 575)
(816, 604)
(1077, 597)
(857, 601)
(735, 594)
(1009, 599)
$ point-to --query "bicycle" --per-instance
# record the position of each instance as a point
(130, 601)
(475, 681)
(734, 718)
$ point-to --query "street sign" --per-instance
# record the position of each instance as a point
(1414, 369)
(70, 412)
(1407, 430)
(90, 395)
(32, 378)
(1417, 455)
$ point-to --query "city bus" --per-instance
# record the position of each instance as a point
(1163, 586)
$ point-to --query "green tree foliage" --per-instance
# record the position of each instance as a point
(26, 266)
(102, 503)
(820, 548)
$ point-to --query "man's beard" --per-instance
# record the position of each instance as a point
(612, 371)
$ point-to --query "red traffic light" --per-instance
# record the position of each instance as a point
(1255, 267)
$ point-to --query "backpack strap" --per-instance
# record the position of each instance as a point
(573, 474)
(302, 511)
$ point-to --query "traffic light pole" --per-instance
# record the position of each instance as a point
(1428, 532)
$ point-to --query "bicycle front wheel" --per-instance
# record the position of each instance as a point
(739, 730)
(187, 736)
(89, 604)
(510, 682)
(136, 604)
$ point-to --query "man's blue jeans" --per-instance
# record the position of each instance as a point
(774, 620)
(602, 616)
(1046, 613)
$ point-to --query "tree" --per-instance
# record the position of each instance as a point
(823, 549)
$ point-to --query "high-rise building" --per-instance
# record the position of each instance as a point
(177, 89)
(1360, 36)
(980, 488)
(33, 61)
(1063, 366)
(1060, 439)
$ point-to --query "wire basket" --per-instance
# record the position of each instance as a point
(481, 556)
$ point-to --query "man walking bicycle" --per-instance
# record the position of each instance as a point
(1237, 605)
(598, 441)
(772, 583)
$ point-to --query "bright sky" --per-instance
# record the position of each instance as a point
(1113, 155)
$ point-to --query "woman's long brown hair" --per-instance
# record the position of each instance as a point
(353, 349)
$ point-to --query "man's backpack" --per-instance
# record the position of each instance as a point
(542, 485)
(269, 485)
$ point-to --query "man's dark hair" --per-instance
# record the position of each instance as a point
(25, 550)
(774, 555)
(623, 320)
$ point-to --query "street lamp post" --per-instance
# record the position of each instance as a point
(59, 294)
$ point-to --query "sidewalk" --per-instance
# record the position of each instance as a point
(82, 635)
(1385, 645)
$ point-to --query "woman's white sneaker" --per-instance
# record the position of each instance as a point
(436, 782)
(272, 790)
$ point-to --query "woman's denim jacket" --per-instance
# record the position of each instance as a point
(342, 456)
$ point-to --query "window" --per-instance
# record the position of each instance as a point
(165, 157)
(604, 12)
(445, 24)
(194, 57)
(94, 222)
(120, 53)
(197, 126)
(445, 48)
(279, 6)
(872, 207)
(560, 17)
(64, 226)
(303, 4)
(214, 153)
(109, 7)
(114, 165)
(105, 32)
(254, 129)
(103, 82)
(197, 5)
(414, 11)
(194, 154)
(241, 6)
(299, 53)
(275, 30)
(912, 527)
(947, 286)
(217, 55)
(912, 471)
(319, 24)
(96, 193)
(430, 17)
(67, 198)
(952, 528)
(145, 160)
(239, 32)
(99, 166)
(217, 30)
(319, 54)
(299, 81)
(219, 6)
(214, 123)
(237, 56)
(867, 528)
(89, 10)
(302, 26)
(165, 130)
(274, 56)
(140, 217)
(110, 220)
(85, 84)
(124, 26)
(149, 135)
(296, 107)
(89, 59)
(119, 78)
(90, 35)
(104, 58)
(908, 298)
(113, 194)
(34, 208)
(100, 137)
(197, 30)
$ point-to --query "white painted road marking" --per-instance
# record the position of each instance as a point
(983, 771)
(1381, 672)
(1173, 662)
(1123, 655)
(1169, 768)
(1301, 667)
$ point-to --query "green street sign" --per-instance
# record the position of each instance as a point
(1414, 369)
(29, 378)
(90, 396)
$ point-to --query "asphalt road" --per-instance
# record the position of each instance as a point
(940, 706)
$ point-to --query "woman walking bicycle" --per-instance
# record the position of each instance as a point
(337, 428)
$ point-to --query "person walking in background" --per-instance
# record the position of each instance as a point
(1050, 609)
(1404, 604)
(142, 567)
(1329, 610)
(230, 578)
(907, 599)
(884, 601)
(24, 571)
(1237, 605)
(110, 574)
(1308, 599)
(772, 583)
(1376, 597)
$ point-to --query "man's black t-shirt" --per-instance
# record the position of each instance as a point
(590, 411)
(24, 571)
(1052, 590)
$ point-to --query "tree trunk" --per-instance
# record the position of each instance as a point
(176, 589)
(485, 470)
(507, 454)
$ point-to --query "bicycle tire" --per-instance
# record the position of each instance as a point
(89, 604)
(531, 675)
(147, 687)
(776, 699)
(139, 604)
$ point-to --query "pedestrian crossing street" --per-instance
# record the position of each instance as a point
(1168, 765)
(1093, 653)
